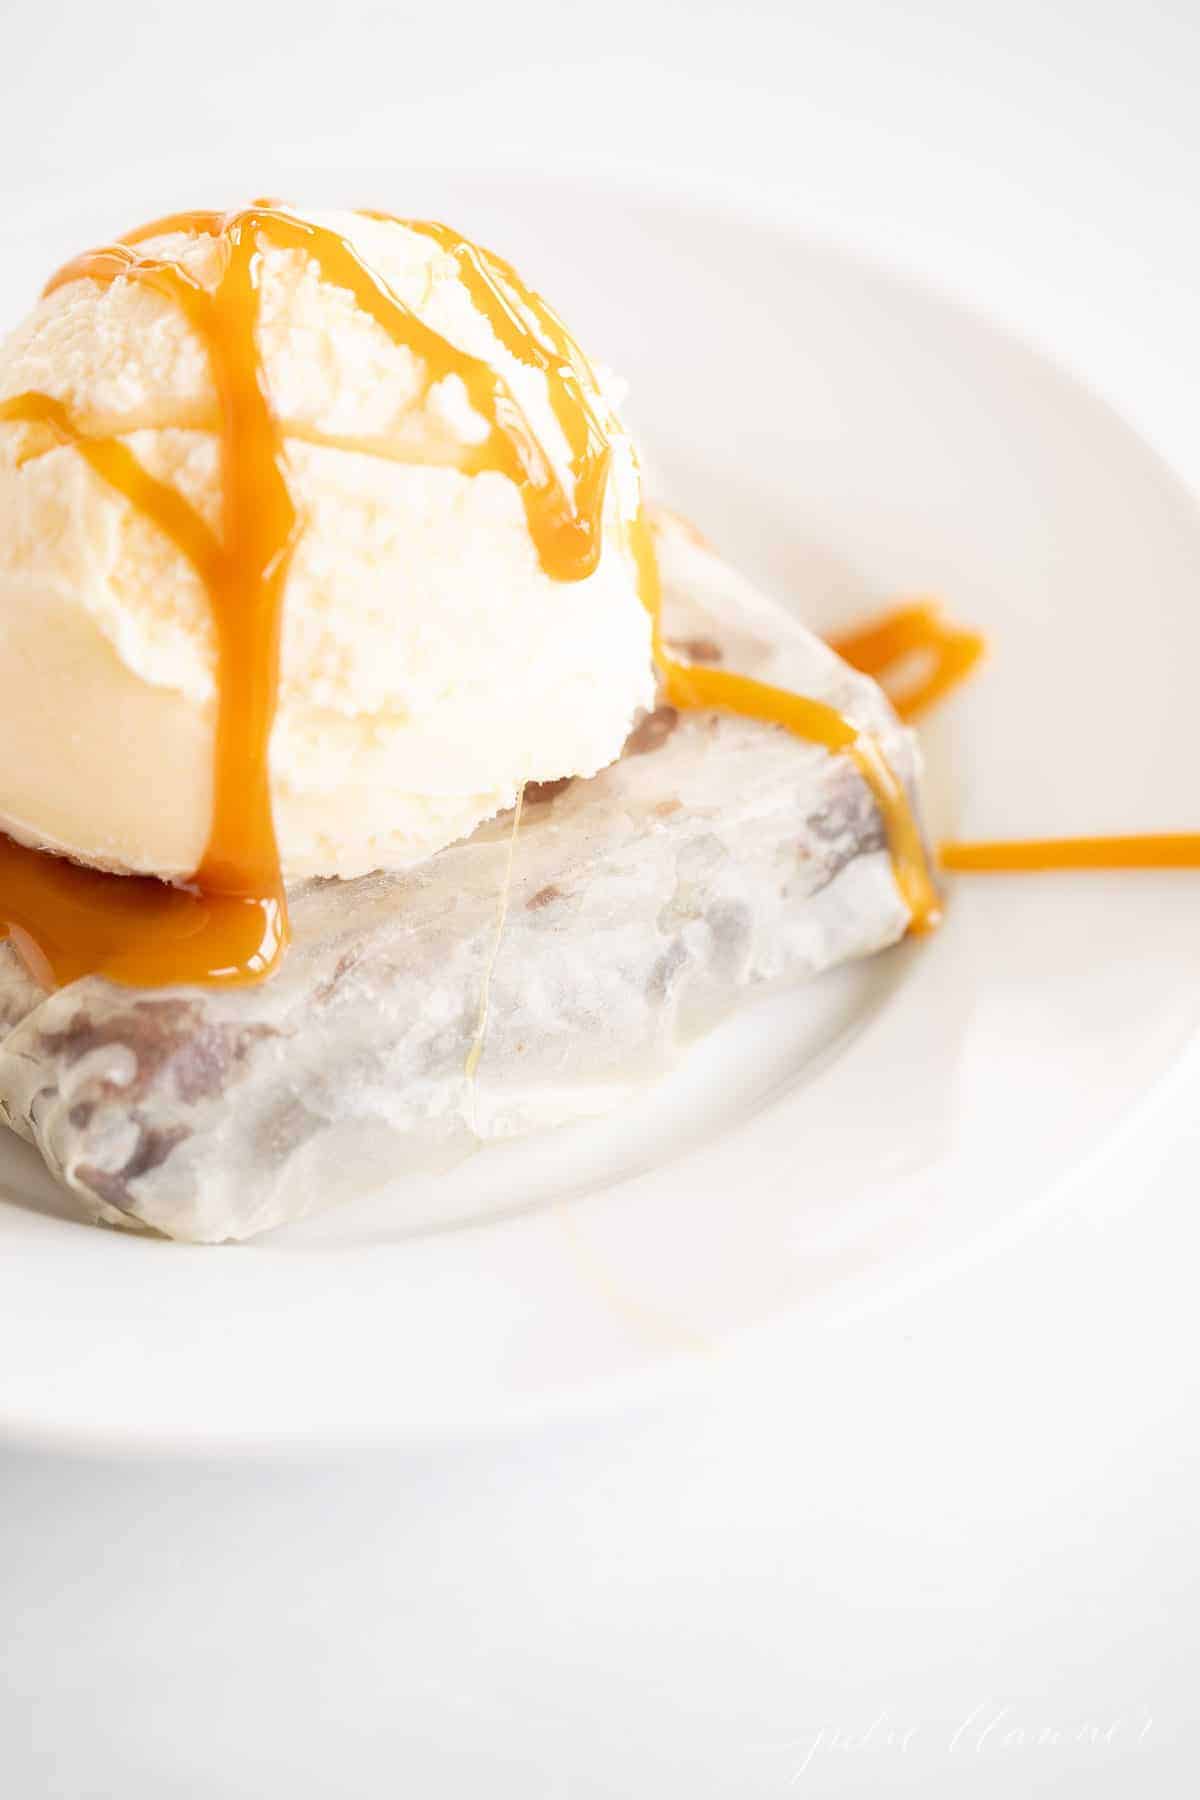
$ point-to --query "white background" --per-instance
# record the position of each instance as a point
(827, 1570)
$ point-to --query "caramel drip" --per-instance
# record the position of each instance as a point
(70, 921)
(532, 332)
(245, 582)
(1168, 850)
(878, 647)
(116, 464)
(689, 686)
(231, 924)
(565, 527)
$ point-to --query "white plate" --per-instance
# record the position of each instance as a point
(847, 437)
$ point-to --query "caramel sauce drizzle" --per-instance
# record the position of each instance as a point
(693, 686)
(1166, 850)
(530, 330)
(564, 526)
(951, 654)
(229, 924)
(916, 629)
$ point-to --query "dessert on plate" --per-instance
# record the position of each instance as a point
(379, 773)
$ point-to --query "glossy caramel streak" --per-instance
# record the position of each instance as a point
(689, 686)
(566, 528)
(243, 935)
(259, 523)
(116, 260)
(70, 921)
(116, 464)
(878, 647)
(1168, 850)
(532, 332)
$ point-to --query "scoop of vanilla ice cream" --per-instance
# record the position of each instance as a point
(429, 665)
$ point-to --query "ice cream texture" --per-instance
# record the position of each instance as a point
(430, 664)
